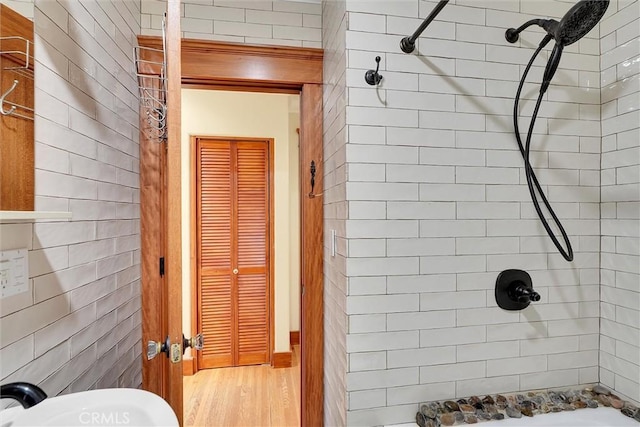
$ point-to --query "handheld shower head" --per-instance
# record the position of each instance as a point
(579, 20)
(574, 25)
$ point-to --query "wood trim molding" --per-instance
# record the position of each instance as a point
(189, 366)
(312, 274)
(281, 360)
(244, 87)
(228, 48)
(238, 65)
(294, 338)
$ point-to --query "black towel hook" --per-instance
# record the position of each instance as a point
(373, 77)
(312, 169)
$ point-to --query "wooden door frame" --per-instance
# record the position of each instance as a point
(195, 260)
(229, 66)
(161, 237)
(173, 230)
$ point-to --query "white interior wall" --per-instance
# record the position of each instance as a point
(294, 214)
(246, 114)
(78, 327)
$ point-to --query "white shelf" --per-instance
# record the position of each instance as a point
(6, 216)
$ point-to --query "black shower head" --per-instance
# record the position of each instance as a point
(579, 20)
(574, 25)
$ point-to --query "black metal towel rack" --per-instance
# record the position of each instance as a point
(408, 44)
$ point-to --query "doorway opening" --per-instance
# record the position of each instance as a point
(241, 273)
(230, 66)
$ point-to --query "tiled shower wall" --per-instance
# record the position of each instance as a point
(79, 326)
(279, 22)
(620, 258)
(437, 207)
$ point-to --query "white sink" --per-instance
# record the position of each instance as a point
(104, 407)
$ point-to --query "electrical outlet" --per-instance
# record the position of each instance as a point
(14, 272)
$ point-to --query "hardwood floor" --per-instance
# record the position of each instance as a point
(244, 396)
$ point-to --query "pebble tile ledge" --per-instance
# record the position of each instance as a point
(499, 407)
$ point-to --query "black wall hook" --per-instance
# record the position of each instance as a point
(312, 169)
(373, 77)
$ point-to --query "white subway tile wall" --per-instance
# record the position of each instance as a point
(78, 327)
(278, 22)
(620, 192)
(336, 285)
(432, 179)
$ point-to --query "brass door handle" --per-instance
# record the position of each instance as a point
(171, 350)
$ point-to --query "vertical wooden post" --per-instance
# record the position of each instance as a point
(174, 211)
(312, 339)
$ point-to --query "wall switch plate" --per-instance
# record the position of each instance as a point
(14, 272)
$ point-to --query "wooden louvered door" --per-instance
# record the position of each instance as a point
(252, 228)
(233, 232)
(215, 210)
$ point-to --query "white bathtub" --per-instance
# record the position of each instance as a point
(600, 417)
(603, 417)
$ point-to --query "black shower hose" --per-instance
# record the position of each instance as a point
(532, 180)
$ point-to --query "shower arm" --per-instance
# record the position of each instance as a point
(512, 34)
(408, 44)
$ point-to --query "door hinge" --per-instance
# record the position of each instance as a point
(161, 266)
